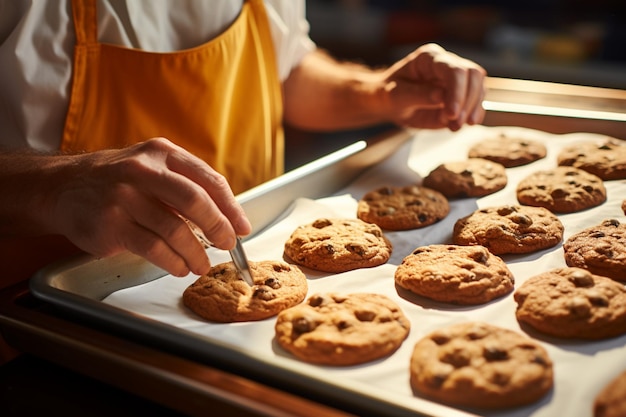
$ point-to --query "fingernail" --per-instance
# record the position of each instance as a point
(230, 242)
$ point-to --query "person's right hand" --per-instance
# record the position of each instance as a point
(131, 199)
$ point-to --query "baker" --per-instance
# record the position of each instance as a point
(119, 119)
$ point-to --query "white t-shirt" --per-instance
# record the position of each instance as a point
(37, 47)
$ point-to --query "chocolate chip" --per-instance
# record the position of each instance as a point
(342, 325)
(559, 194)
(302, 325)
(385, 191)
(417, 203)
(356, 249)
(596, 298)
(458, 357)
(581, 278)
(263, 293)
(365, 315)
(316, 300)
(440, 338)
(480, 256)
(538, 359)
(521, 219)
(492, 353)
(321, 223)
(590, 189)
(280, 267)
(611, 222)
(500, 379)
(506, 210)
(273, 283)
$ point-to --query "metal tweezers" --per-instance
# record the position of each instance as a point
(237, 254)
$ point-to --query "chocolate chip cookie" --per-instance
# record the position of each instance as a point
(473, 177)
(340, 330)
(572, 303)
(223, 296)
(403, 208)
(605, 159)
(611, 400)
(562, 190)
(509, 229)
(338, 245)
(508, 150)
(455, 274)
(479, 365)
(600, 249)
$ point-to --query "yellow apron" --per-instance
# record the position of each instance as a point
(221, 101)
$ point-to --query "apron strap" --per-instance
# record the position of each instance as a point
(85, 21)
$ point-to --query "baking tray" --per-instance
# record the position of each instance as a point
(79, 285)
(82, 284)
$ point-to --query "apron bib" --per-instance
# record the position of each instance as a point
(221, 100)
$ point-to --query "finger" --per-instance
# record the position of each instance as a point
(426, 119)
(157, 174)
(215, 185)
(150, 246)
(193, 202)
(411, 95)
(174, 231)
(475, 93)
(455, 92)
(478, 113)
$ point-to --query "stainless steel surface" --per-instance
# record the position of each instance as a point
(555, 108)
(241, 262)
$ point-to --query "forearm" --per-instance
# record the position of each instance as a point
(26, 179)
(429, 88)
(324, 94)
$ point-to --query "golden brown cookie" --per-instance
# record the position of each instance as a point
(562, 190)
(338, 245)
(403, 208)
(339, 330)
(600, 249)
(624, 206)
(223, 296)
(455, 274)
(611, 400)
(479, 365)
(508, 150)
(572, 303)
(605, 158)
(473, 177)
(509, 229)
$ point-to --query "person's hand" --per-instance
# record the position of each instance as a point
(434, 88)
(132, 199)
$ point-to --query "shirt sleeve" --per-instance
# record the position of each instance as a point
(290, 33)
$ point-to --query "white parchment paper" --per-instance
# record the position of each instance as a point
(582, 368)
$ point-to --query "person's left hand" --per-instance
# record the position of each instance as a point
(434, 88)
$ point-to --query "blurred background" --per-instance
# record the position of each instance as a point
(569, 41)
